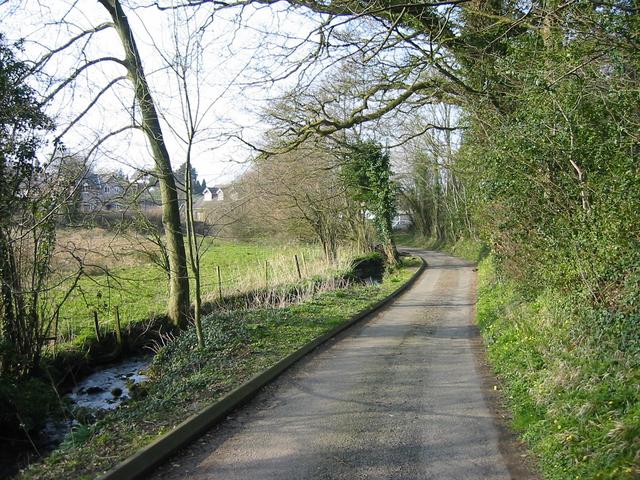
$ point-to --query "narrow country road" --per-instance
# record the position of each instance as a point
(404, 395)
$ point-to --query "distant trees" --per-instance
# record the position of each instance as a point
(320, 191)
(74, 169)
(180, 175)
(432, 182)
(298, 194)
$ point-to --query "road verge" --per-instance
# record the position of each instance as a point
(197, 424)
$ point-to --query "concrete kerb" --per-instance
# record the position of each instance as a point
(154, 453)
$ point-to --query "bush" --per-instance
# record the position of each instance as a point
(368, 266)
(25, 405)
(571, 374)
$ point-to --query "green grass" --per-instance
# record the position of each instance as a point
(239, 345)
(140, 291)
(572, 385)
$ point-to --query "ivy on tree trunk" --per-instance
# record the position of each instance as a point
(367, 174)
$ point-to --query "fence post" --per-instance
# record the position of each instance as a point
(266, 273)
(96, 325)
(55, 327)
(219, 282)
(55, 331)
(298, 267)
(118, 328)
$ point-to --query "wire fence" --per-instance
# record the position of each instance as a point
(108, 302)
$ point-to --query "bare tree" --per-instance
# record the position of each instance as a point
(188, 61)
(300, 193)
(431, 187)
(59, 88)
(178, 301)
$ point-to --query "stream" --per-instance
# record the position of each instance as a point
(103, 390)
(107, 388)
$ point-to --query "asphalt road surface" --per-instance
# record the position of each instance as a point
(404, 395)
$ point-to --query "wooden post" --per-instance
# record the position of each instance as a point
(219, 282)
(266, 273)
(298, 267)
(96, 325)
(118, 329)
(55, 327)
(55, 331)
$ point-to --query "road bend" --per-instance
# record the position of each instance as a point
(403, 395)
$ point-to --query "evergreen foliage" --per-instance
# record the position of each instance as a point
(367, 174)
(555, 174)
(197, 186)
(27, 229)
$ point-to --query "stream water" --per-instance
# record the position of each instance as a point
(107, 388)
(103, 390)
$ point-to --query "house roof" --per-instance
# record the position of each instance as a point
(99, 180)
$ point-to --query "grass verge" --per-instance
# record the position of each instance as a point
(239, 344)
(571, 378)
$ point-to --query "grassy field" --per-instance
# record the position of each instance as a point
(121, 275)
(239, 344)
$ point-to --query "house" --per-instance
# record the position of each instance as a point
(213, 202)
(212, 194)
(102, 191)
(402, 221)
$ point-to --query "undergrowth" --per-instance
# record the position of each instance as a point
(183, 379)
(572, 381)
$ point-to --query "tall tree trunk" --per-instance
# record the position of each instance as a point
(178, 301)
(390, 252)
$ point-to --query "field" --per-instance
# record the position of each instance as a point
(121, 272)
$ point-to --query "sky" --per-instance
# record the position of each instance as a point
(244, 60)
(230, 88)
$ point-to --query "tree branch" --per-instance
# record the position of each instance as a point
(77, 73)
